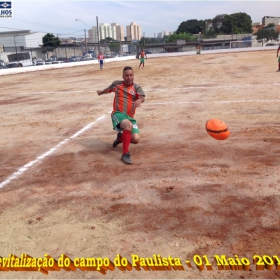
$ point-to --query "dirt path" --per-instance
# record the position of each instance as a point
(186, 194)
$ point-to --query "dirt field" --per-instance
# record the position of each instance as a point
(65, 190)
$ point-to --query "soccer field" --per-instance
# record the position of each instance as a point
(65, 190)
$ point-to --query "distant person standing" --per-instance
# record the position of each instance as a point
(277, 55)
(142, 56)
(101, 60)
(34, 60)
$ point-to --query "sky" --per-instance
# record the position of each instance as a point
(59, 17)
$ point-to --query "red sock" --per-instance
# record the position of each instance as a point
(126, 138)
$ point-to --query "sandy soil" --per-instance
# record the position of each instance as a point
(185, 194)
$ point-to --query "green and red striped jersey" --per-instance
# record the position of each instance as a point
(125, 96)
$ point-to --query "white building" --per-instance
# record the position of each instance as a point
(133, 32)
(113, 31)
(19, 40)
(164, 33)
(267, 20)
(107, 30)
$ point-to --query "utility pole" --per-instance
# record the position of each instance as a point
(97, 34)
(86, 42)
(105, 41)
(120, 43)
(16, 46)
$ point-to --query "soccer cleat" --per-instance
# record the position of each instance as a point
(117, 142)
(126, 158)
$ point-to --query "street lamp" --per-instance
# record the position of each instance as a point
(85, 34)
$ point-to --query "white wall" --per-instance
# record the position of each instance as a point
(12, 40)
(34, 40)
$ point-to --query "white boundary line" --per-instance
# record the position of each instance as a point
(152, 90)
(201, 102)
(24, 168)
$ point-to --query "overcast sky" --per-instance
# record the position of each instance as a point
(58, 17)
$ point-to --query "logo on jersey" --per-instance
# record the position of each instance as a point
(132, 92)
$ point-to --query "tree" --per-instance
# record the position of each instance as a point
(270, 25)
(192, 26)
(181, 36)
(150, 41)
(236, 23)
(114, 47)
(50, 42)
(267, 34)
(217, 22)
(209, 34)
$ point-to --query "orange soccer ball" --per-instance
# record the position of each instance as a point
(217, 129)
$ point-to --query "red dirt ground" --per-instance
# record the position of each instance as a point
(185, 194)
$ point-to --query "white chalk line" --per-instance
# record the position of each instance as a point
(51, 92)
(49, 152)
(207, 102)
(211, 86)
(156, 90)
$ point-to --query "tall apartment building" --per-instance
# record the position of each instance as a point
(164, 33)
(113, 31)
(119, 32)
(267, 20)
(133, 32)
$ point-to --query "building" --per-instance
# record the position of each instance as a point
(106, 30)
(19, 40)
(164, 33)
(133, 32)
(257, 27)
(267, 20)
(119, 32)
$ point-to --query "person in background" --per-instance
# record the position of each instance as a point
(277, 55)
(101, 60)
(142, 58)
